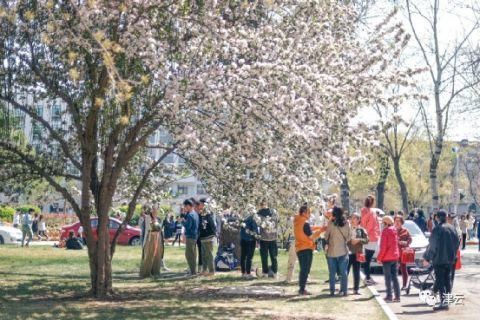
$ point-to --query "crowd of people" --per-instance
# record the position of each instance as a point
(32, 224)
(350, 243)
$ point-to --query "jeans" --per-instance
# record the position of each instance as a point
(191, 255)
(305, 258)
(207, 255)
(269, 248)
(368, 259)
(443, 283)
(353, 263)
(464, 240)
(390, 272)
(338, 265)
(247, 249)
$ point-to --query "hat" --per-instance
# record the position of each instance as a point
(388, 220)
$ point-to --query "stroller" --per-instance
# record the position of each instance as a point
(421, 278)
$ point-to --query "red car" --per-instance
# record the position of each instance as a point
(129, 236)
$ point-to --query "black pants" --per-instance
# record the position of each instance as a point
(199, 249)
(353, 263)
(247, 250)
(443, 282)
(368, 259)
(269, 248)
(464, 240)
(178, 237)
(305, 258)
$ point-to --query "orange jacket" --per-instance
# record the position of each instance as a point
(302, 241)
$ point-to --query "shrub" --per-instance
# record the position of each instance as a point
(7, 213)
(24, 208)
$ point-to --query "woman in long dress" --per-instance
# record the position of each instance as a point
(153, 246)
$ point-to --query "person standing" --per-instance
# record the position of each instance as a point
(355, 246)
(441, 253)
(248, 242)
(178, 231)
(268, 239)
(338, 235)
(191, 235)
(16, 219)
(42, 228)
(305, 237)
(470, 226)
(369, 221)
(404, 241)
(207, 239)
(421, 221)
(198, 207)
(388, 256)
(27, 227)
(35, 226)
(464, 228)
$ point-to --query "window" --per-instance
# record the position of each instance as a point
(182, 190)
(56, 112)
(36, 131)
(169, 159)
(39, 110)
(113, 225)
(201, 189)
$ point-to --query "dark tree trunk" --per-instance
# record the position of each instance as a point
(345, 192)
(382, 181)
(401, 183)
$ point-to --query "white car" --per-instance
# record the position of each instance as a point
(419, 243)
(9, 234)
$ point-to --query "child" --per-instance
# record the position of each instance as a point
(355, 246)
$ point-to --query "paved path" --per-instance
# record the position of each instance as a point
(467, 283)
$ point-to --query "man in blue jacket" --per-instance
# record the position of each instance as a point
(191, 235)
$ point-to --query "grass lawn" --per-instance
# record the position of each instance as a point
(47, 283)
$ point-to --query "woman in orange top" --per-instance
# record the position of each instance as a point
(304, 244)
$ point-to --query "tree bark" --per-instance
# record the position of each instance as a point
(401, 183)
(382, 181)
(345, 192)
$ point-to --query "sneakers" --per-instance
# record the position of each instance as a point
(397, 299)
(370, 282)
(388, 299)
(357, 293)
(440, 307)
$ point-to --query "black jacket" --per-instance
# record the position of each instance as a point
(443, 245)
(206, 226)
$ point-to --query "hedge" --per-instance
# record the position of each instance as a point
(24, 208)
(7, 213)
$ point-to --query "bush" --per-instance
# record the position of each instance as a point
(7, 213)
(24, 208)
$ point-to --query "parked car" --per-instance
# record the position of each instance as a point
(129, 236)
(9, 234)
(419, 243)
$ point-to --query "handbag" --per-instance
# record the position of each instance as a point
(360, 256)
(408, 256)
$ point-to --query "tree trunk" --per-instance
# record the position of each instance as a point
(345, 192)
(401, 183)
(434, 160)
(382, 181)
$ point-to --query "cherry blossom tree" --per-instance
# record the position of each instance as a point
(257, 97)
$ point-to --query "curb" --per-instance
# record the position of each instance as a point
(385, 307)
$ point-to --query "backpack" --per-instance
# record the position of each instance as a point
(225, 259)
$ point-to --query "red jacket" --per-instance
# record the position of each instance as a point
(389, 245)
(369, 222)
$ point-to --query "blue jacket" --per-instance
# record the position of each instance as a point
(250, 225)
(191, 225)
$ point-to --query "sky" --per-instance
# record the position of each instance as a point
(455, 19)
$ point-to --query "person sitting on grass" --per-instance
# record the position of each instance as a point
(73, 243)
